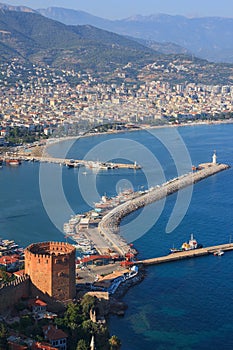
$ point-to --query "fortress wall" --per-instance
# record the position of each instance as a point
(11, 293)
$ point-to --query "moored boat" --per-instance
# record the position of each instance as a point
(189, 245)
(219, 252)
(13, 162)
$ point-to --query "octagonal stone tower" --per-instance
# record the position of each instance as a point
(51, 267)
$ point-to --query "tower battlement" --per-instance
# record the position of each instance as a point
(51, 267)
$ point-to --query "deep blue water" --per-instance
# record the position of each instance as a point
(181, 305)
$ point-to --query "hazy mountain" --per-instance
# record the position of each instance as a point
(73, 17)
(34, 38)
(207, 37)
(16, 8)
(165, 48)
(28, 37)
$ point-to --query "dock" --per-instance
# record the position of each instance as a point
(193, 253)
(104, 234)
(109, 225)
(75, 163)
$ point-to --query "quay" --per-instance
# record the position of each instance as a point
(101, 228)
(109, 225)
(193, 253)
(75, 162)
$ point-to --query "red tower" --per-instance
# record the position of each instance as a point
(51, 267)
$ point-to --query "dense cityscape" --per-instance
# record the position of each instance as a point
(67, 81)
(48, 100)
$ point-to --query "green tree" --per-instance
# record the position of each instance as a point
(82, 345)
(25, 323)
(87, 303)
(73, 316)
(5, 277)
(115, 343)
(3, 337)
(89, 327)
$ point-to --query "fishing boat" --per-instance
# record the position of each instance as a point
(189, 245)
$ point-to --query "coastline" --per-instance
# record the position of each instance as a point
(52, 141)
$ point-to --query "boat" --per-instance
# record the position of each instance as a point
(190, 245)
(13, 162)
(95, 165)
(219, 252)
(175, 250)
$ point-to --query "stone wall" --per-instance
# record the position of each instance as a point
(11, 293)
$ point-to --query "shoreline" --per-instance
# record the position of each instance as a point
(139, 128)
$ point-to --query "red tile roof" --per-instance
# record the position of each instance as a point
(42, 346)
(94, 257)
(37, 302)
(19, 273)
(7, 260)
(53, 333)
(15, 346)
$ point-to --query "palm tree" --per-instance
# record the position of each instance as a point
(115, 343)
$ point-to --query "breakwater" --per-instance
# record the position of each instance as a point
(193, 253)
(109, 225)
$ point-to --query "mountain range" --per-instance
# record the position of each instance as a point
(28, 37)
(207, 37)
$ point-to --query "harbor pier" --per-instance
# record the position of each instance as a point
(103, 233)
(109, 225)
(74, 163)
(193, 253)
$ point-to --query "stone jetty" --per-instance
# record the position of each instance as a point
(109, 225)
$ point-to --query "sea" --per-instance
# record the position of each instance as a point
(185, 304)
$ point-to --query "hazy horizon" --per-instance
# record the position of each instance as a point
(122, 9)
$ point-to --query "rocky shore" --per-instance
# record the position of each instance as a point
(124, 287)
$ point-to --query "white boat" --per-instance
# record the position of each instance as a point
(219, 252)
(190, 245)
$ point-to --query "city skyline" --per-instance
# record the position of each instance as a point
(119, 9)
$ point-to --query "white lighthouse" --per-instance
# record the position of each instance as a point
(214, 158)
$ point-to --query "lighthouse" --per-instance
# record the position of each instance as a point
(214, 158)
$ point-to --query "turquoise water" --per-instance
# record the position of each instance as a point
(181, 305)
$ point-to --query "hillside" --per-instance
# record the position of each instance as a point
(208, 37)
(30, 37)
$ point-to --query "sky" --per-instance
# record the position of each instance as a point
(118, 9)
